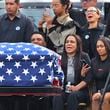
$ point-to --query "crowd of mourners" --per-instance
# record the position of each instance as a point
(81, 37)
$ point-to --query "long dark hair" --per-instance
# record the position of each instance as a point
(106, 42)
(78, 52)
(65, 2)
(77, 57)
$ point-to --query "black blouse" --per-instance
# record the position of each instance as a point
(100, 70)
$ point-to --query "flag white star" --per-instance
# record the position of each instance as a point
(3, 46)
(27, 49)
(1, 64)
(2, 78)
(18, 52)
(34, 64)
(42, 58)
(33, 78)
(9, 71)
(9, 57)
(10, 49)
(25, 71)
(50, 78)
(26, 57)
(42, 71)
(1, 52)
(17, 64)
(50, 63)
(50, 53)
(34, 53)
(19, 46)
(59, 70)
(17, 78)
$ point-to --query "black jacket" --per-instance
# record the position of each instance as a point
(78, 65)
(89, 38)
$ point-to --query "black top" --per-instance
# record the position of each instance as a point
(89, 38)
(100, 70)
(17, 30)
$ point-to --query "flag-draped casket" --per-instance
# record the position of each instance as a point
(26, 64)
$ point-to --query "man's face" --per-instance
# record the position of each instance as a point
(88, 3)
(11, 7)
(38, 39)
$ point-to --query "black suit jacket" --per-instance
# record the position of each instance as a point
(78, 65)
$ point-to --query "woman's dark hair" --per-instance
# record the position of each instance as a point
(106, 42)
(77, 57)
(78, 51)
(66, 2)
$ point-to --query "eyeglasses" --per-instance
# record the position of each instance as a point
(92, 11)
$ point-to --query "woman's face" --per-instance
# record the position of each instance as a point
(92, 15)
(101, 49)
(71, 45)
(58, 8)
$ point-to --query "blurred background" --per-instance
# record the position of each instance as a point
(34, 8)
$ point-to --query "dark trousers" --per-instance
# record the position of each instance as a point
(24, 103)
(72, 100)
(39, 103)
(13, 103)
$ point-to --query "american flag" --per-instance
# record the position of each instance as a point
(26, 64)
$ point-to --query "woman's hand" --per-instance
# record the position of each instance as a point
(73, 88)
(85, 69)
(48, 20)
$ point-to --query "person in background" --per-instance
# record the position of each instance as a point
(100, 67)
(14, 26)
(38, 38)
(91, 32)
(107, 30)
(42, 103)
(75, 64)
(59, 26)
(79, 14)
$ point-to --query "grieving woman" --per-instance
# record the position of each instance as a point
(75, 65)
